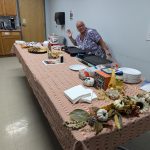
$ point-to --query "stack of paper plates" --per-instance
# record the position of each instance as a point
(77, 67)
(131, 75)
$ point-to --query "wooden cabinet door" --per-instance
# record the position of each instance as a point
(8, 39)
(1, 7)
(7, 45)
(10, 7)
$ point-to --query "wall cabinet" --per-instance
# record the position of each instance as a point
(1, 8)
(7, 39)
(8, 8)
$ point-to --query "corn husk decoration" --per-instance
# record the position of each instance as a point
(118, 121)
(101, 95)
(112, 82)
(98, 127)
(115, 83)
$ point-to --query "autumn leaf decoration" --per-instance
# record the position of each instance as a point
(80, 118)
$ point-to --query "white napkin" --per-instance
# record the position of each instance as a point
(88, 99)
(79, 93)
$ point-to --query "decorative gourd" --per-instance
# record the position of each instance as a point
(83, 74)
(112, 93)
(89, 81)
(102, 115)
(119, 104)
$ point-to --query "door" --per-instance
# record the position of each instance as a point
(32, 20)
(1, 8)
(10, 7)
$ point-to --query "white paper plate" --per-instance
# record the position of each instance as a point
(131, 81)
(77, 67)
(130, 71)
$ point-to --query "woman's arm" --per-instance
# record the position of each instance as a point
(104, 48)
(69, 33)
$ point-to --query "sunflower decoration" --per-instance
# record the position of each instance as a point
(146, 96)
(143, 105)
(141, 102)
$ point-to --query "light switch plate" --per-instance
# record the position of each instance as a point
(24, 22)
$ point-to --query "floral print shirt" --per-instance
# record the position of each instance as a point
(89, 43)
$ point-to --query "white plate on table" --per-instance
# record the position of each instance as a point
(77, 67)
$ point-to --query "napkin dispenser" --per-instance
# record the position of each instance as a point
(60, 18)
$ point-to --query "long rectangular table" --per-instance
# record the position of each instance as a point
(48, 84)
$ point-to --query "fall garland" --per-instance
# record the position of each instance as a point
(98, 118)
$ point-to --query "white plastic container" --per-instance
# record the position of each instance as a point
(45, 43)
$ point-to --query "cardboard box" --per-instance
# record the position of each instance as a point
(101, 79)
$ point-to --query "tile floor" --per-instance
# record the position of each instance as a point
(22, 123)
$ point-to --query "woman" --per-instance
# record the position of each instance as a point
(89, 40)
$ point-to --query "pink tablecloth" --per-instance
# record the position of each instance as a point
(48, 84)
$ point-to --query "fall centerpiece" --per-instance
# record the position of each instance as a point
(98, 118)
(121, 106)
